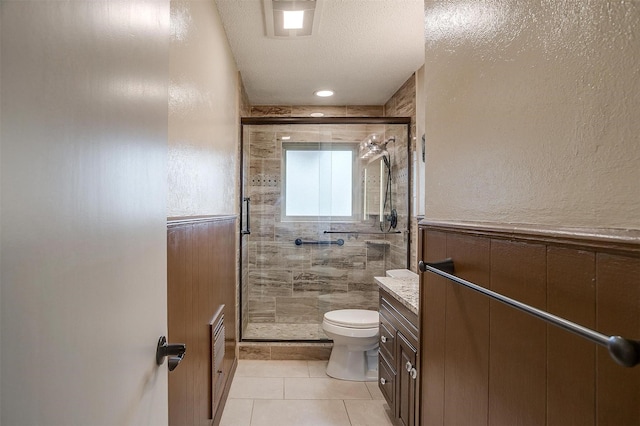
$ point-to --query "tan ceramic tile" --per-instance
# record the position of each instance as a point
(369, 413)
(301, 352)
(321, 388)
(299, 413)
(284, 331)
(270, 111)
(237, 412)
(250, 368)
(318, 369)
(328, 111)
(374, 390)
(256, 388)
(255, 352)
(365, 110)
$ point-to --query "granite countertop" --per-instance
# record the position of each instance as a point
(404, 290)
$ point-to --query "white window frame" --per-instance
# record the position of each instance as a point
(356, 203)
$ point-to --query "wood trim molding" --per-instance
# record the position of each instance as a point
(606, 240)
(188, 220)
(225, 393)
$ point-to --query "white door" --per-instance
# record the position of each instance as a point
(83, 210)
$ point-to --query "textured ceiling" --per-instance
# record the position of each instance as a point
(364, 50)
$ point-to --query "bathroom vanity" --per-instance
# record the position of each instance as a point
(398, 367)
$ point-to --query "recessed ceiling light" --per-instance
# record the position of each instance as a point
(316, 114)
(324, 93)
(293, 19)
(286, 138)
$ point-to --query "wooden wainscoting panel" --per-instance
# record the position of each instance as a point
(467, 341)
(433, 291)
(571, 294)
(517, 370)
(618, 313)
(227, 238)
(202, 309)
(201, 277)
(538, 374)
(179, 283)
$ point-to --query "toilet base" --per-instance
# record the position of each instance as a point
(360, 366)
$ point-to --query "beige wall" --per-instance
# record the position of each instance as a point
(203, 113)
(83, 243)
(533, 112)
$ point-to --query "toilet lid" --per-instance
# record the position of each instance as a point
(353, 318)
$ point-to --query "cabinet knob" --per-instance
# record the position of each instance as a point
(408, 366)
(383, 339)
(413, 373)
(383, 381)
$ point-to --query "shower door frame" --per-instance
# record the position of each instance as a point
(265, 121)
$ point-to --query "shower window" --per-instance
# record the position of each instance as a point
(319, 181)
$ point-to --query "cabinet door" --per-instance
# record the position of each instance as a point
(406, 382)
(387, 382)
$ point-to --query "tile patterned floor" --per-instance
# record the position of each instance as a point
(284, 393)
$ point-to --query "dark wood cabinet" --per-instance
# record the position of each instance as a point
(398, 359)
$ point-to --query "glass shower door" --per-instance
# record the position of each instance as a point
(312, 248)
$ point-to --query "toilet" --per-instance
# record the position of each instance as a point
(355, 344)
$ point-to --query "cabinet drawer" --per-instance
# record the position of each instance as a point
(387, 382)
(387, 337)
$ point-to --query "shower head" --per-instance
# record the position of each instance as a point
(374, 144)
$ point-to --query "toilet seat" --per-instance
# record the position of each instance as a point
(353, 318)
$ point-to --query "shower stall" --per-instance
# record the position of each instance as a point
(325, 208)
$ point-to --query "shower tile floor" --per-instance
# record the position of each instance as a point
(296, 393)
(284, 331)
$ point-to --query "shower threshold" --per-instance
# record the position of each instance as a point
(284, 331)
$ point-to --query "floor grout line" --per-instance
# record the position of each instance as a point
(291, 384)
(347, 411)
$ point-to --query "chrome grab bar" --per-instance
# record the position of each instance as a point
(299, 242)
(625, 352)
(362, 233)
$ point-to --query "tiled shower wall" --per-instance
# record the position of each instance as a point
(403, 104)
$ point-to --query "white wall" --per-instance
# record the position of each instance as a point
(83, 184)
(533, 112)
(203, 105)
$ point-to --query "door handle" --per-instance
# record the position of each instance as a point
(247, 230)
(174, 351)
